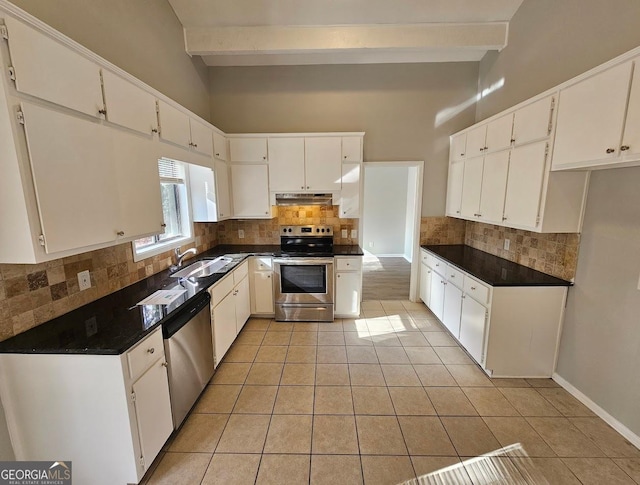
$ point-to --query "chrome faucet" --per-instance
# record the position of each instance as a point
(180, 257)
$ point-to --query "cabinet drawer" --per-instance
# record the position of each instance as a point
(145, 353)
(455, 276)
(437, 265)
(424, 256)
(240, 272)
(348, 264)
(221, 289)
(263, 263)
(479, 291)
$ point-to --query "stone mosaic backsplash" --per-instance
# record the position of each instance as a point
(267, 231)
(31, 294)
(441, 230)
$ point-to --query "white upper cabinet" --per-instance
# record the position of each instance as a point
(47, 69)
(458, 147)
(533, 121)
(350, 195)
(631, 139)
(476, 141)
(74, 179)
(204, 205)
(286, 165)
(524, 185)
(129, 106)
(323, 164)
(220, 147)
(591, 115)
(494, 183)
(250, 191)
(223, 194)
(454, 189)
(201, 138)
(248, 149)
(499, 133)
(471, 188)
(174, 125)
(351, 149)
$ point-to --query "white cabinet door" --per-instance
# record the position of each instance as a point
(458, 147)
(348, 289)
(452, 309)
(323, 166)
(250, 189)
(224, 326)
(223, 195)
(47, 69)
(174, 125)
(242, 302)
(471, 187)
(476, 141)
(351, 148)
(138, 181)
(472, 327)
(204, 205)
(436, 297)
(454, 189)
(201, 138)
(286, 165)
(425, 283)
(128, 105)
(631, 138)
(248, 149)
(499, 133)
(494, 186)
(262, 294)
(350, 194)
(220, 146)
(153, 411)
(524, 185)
(590, 118)
(533, 122)
(74, 177)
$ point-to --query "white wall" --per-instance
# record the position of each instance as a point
(385, 209)
(412, 187)
(6, 451)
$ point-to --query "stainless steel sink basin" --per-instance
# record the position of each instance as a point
(205, 267)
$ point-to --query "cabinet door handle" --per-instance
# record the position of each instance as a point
(473, 288)
(624, 148)
(120, 233)
(151, 350)
(610, 150)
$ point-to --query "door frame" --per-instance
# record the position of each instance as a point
(415, 260)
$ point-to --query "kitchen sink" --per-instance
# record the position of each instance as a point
(205, 267)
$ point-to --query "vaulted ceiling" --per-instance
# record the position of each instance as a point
(285, 32)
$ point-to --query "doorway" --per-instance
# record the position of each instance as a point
(390, 235)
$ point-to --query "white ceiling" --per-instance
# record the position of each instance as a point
(277, 32)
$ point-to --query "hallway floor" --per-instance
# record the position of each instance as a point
(385, 278)
(380, 400)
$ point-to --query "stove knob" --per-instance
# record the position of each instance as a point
(317, 230)
(290, 229)
(323, 230)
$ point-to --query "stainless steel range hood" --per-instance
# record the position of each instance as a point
(304, 199)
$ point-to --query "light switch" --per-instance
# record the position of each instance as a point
(241, 233)
(344, 234)
(354, 234)
(84, 280)
(507, 244)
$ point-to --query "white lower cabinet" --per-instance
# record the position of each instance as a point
(119, 405)
(348, 286)
(511, 331)
(230, 309)
(261, 285)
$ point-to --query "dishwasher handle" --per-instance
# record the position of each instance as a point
(193, 306)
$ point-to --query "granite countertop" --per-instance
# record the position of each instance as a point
(114, 323)
(492, 269)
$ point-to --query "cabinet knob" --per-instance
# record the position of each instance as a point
(338, 276)
(462, 154)
(102, 111)
(154, 130)
(345, 156)
(268, 276)
(624, 148)
(166, 364)
(302, 187)
(120, 233)
(513, 140)
(473, 288)
(163, 225)
(610, 150)
(482, 149)
(457, 212)
(217, 154)
(307, 187)
(504, 218)
(151, 350)
(486, 148)
(264, 158)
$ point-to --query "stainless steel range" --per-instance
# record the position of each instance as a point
(304, 274)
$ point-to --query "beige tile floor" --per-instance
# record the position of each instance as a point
(376, 400)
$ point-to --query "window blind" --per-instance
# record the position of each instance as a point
(171, 171)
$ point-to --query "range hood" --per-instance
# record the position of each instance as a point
(304, 199)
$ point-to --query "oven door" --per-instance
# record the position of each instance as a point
(304, 280)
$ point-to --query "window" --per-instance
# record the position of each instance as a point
(175, 208)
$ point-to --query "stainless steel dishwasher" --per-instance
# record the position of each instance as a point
(188, 347)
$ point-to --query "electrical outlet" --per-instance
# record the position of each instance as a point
(507, 244)
(344, 234)
(354, 234)
(84, 280)
(91, 326)
(241, 233)
(371, 244)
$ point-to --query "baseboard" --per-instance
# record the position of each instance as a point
(610, 420)
(387, 255)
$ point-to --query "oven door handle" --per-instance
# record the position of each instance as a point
(303, 261)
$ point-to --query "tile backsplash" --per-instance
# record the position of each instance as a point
(441, 230)
(31, 294)
(267, 231)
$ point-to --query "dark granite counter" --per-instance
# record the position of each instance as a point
(114, 323)
(492, 269)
